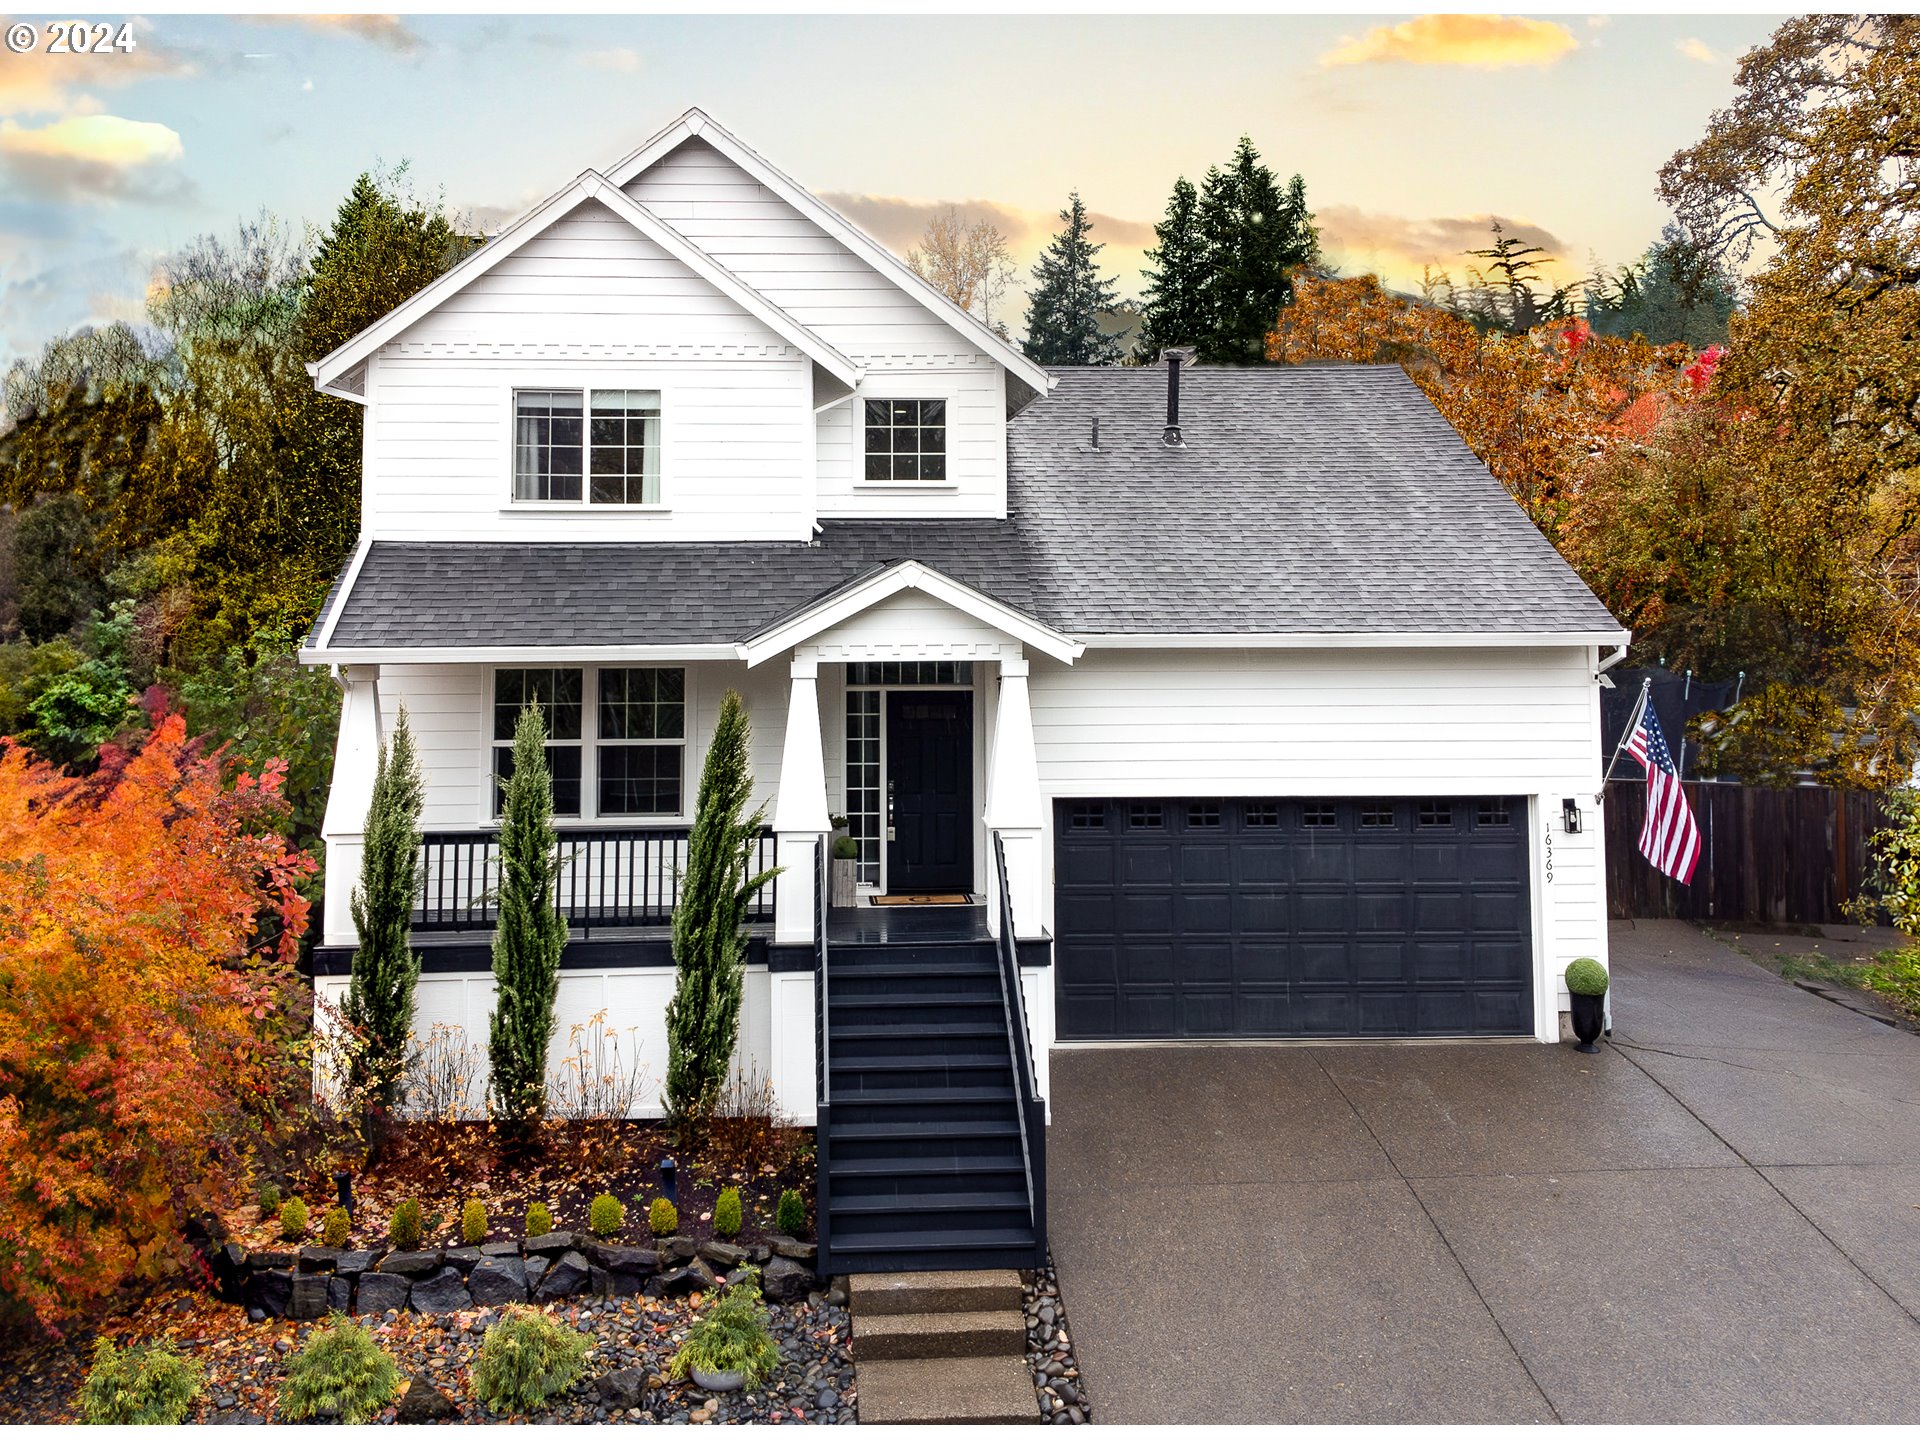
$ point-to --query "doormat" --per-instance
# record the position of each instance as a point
(944, 899)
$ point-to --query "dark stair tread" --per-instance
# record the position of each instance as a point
(937, 1000)
(919, 1060)
(925, 1130)
(841, 1205)
(929, 1031)
(927, 1095)
(888, 1167)
(943, 1239)
(913, 969)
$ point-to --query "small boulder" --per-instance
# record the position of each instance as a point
(622, 1389)
(678, 1249)
(464, 1257)
(355, 1262)
(340, 1294)
(380, 1292)
(688, 1279)
(567, 1276)
(441, 1294)
(498, 1280)
(627, 1259)
(501, 1248)
(269, 1291)
(424, 1403)
(805, 1251)
(554, 1242)
(276, 1259)
(316, 1259)
(411, 1262)
(308, 1300)
(761, 1254)
(722, 1256)
(536, 1268)
(786, 1283)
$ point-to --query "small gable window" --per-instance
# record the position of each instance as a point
(906, 439)
(603, 445)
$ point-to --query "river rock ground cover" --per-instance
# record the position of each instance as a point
(625, 1381)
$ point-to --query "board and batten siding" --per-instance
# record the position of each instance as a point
(1349, 723)
(590, 303)
(907, 351)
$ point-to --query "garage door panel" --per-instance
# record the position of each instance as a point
(1221, 918)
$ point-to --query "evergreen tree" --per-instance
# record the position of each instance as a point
(1170, 312)
(527, 939)
(1063, 310)
(1252, 232)
(379, 1000)
(1503, 297)
(709, 949)
(1676, 292)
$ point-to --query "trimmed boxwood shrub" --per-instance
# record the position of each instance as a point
(539, 1220)
(335, 1225)
(141, 1385)
(341, 1373)
(662, 1218)
(726, 1213)
(1586, 977)
(791, 1216)
(293, 1218)
(404, 1229)
(526, 1360)
(269, 1199)
(606, 1215)
(473, 1222)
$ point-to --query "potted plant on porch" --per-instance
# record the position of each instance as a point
(1587, 992)
(844, 854)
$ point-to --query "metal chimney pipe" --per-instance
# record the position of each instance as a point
(1172, 435)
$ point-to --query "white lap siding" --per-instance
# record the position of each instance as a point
(1349, 723)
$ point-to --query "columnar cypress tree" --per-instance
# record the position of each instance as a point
(528, 938)
(1170, 310)
(1063, 311)
(1253, 233)
(709, 950)
(379, 1000)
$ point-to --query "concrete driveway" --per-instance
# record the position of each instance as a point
(1716, 1219)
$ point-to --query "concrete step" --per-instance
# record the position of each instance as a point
(977, 1390)
(942, 1334)
(923, 1292)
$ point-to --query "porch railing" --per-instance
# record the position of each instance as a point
(823, 1066)
(1033, 1110)
(609, 878)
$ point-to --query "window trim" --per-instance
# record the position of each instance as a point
(590, 818)
(859, 418)
(585, 504)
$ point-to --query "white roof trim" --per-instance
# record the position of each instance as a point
(589, 185)
(851, 600)
(511, 654)
(697, 124)
(347, 582)
(1370, 640)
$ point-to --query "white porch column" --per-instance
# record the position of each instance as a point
(356, 761)
(1014, 804)
(800, 809)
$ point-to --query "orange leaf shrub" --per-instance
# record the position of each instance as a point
(151, 1023)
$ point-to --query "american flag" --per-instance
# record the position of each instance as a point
(1670, 838)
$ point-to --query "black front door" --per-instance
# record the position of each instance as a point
(930, 780)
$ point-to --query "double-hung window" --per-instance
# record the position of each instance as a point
(642, 749)
(906, 439)
(634, 734)
(557, 695)
(603, 445)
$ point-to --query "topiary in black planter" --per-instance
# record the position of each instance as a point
(1587, 990)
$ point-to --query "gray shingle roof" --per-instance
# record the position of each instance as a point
(1327, 499)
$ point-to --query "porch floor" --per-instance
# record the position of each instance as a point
(896, 924)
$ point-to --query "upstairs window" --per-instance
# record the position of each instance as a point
(906, 439)
(600, 444)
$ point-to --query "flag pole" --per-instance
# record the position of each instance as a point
(1633, 720)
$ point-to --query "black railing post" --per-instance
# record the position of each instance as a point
(1033, 1110)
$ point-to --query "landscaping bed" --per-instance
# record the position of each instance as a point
(632, 1339)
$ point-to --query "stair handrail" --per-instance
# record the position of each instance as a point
(1013, 1002)
(822, 1078)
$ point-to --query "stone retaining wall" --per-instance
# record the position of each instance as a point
(307, 1283)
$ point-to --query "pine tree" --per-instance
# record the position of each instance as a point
(709, 948)
(1252, 232)
(1063, 310)
(1170, 311)
(527, 940)
(379, 1001)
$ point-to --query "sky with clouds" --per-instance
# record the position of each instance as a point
(1411, 132)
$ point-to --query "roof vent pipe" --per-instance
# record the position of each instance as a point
(1173, 359)
(1096, 432)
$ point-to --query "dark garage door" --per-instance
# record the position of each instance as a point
(1197, 918)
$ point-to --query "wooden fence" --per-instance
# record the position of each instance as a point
(1774, 856)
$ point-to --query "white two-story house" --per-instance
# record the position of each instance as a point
(1280, 716)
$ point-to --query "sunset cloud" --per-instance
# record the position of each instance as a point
(91, 157)
(1695, 49)
(898, 223)
(1484, 42)
(40, 84)
(1399, 245)
(389, 31)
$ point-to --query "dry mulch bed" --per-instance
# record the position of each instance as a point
(246, 1362)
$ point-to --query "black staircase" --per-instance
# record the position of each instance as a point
(931, 1140)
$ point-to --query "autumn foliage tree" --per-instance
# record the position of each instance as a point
(149, 920)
